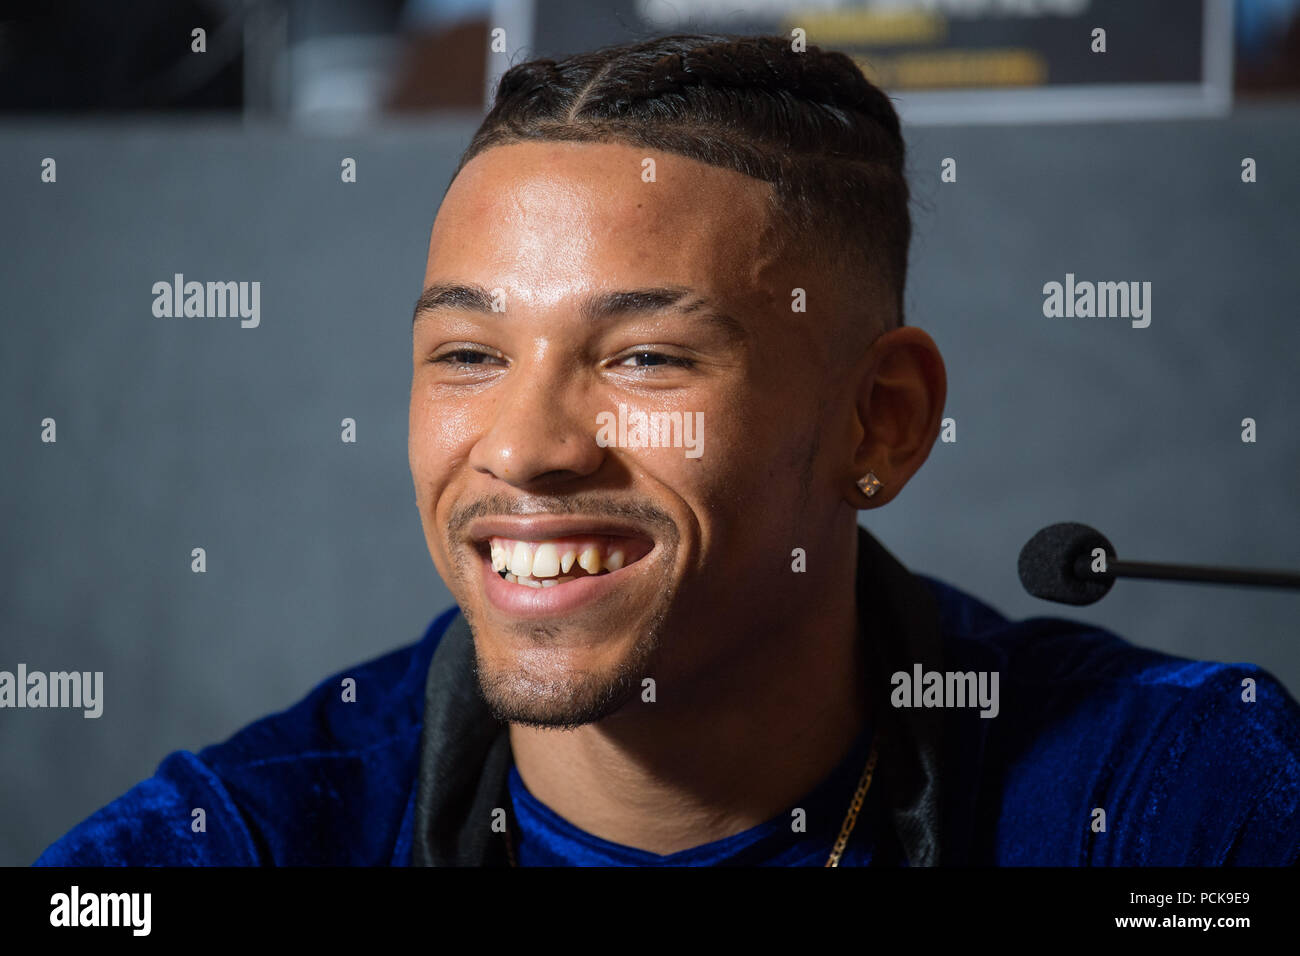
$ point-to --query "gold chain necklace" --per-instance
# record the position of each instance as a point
(846, 828)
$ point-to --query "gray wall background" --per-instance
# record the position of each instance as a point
(180, 433)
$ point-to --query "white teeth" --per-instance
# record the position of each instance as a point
(534, 583)
(521, 561)
(589, 560)
(546, 561)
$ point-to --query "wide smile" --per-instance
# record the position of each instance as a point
(548, 566)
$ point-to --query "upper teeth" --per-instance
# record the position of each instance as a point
(549, 559)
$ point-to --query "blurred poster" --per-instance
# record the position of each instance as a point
(963, 60)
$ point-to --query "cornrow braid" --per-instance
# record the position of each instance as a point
(807, 122)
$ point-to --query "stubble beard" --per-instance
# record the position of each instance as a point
(516, 695)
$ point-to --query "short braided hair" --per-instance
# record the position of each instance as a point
(807, 122)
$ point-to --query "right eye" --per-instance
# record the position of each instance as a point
(460, 357)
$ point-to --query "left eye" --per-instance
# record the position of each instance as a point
(464, 357)
(649, 359)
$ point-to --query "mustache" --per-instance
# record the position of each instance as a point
(637, 512)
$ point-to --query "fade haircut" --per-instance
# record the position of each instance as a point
(809, 123)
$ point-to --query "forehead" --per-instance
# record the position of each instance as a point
(546, 216)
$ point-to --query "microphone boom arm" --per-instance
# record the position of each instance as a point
(1186, 572)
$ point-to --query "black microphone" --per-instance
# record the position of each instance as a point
(1056, 564)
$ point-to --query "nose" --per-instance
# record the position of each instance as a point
(542, 432)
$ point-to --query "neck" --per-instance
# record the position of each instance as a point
(742, 746)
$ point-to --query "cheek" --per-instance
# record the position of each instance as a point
(718, 482)
(438, 435)
(754, 456)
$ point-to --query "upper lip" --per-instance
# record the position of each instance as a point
(545, 527)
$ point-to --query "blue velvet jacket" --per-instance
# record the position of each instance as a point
(1186, 770)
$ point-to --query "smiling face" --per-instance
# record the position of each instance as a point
(560, 288)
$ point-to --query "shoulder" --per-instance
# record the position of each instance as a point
(325, 781)
(1189, 762)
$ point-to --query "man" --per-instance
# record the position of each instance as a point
(659, 367)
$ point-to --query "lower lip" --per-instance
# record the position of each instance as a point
(521, 600)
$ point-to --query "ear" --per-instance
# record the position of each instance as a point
(900, 397)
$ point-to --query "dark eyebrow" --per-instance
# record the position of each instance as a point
(606, 304)
(602, 305)
(468, 298)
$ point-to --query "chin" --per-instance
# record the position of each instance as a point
(550, 688)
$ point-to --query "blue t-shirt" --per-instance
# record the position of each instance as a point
(544, 838)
